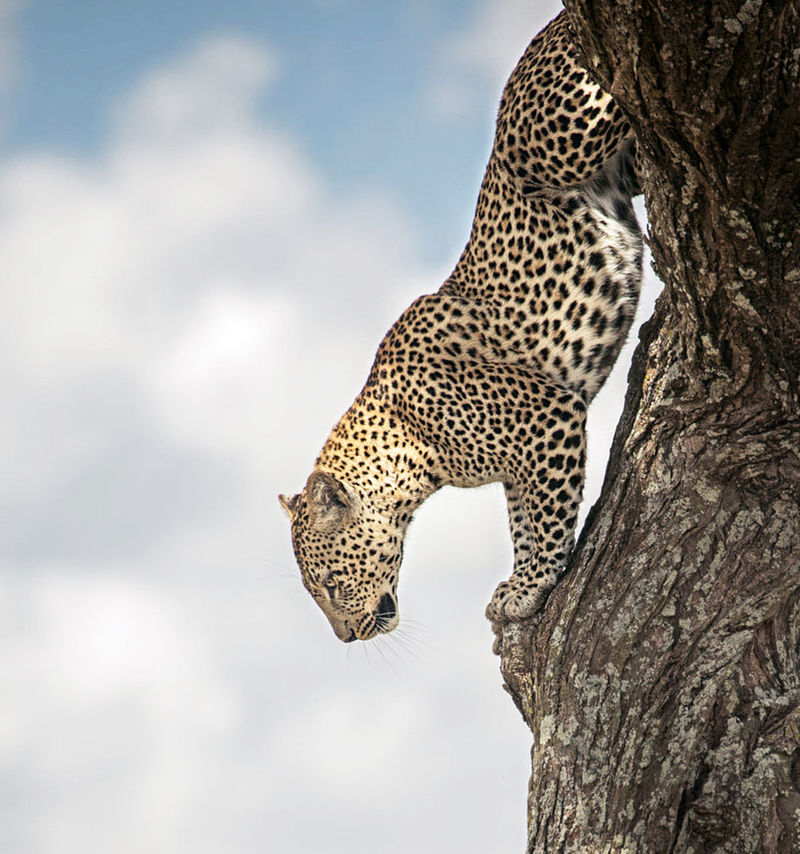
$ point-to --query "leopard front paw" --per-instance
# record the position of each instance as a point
(518, 598)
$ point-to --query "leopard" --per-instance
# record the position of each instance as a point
(489, 378)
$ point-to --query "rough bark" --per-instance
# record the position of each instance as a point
(662, 681)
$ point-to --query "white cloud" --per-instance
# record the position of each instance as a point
(337, 748)
(112, 703)
(228, 333)
(215, 85)
(185, 317)
(194, 229)
(131, 643)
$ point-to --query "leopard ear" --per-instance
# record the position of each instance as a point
(331, 502)
(289, 504)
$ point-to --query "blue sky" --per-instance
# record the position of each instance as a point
(77, 59)
(209, 216)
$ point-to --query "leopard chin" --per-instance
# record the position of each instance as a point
(381, 620)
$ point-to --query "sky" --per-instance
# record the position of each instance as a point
(210, 213)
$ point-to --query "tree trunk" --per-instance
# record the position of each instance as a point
(661, 682)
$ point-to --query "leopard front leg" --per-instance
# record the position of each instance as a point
(543, 509)
(526, 589)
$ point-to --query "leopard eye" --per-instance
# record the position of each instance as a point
(330, 584)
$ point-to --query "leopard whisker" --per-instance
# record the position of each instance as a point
(380, 640)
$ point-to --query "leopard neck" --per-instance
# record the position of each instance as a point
(374, 451)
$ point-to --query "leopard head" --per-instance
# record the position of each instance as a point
(349, 554)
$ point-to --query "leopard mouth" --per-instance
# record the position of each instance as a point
(385, 612)
(380, 621)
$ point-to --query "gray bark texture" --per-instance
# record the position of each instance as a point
(662, 680)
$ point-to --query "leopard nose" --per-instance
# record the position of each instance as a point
(386, 609)
(351, 637)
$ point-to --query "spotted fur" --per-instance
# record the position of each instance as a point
(489, 378)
